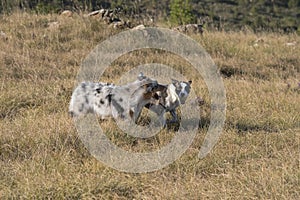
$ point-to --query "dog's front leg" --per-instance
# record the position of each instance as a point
(137, 114)
(162, 119)
(174, 116)
(137, 110)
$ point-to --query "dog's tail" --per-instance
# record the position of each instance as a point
(141, 76)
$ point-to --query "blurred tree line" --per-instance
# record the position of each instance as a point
(219, 14)
(49, 6)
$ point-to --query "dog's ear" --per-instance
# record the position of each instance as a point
(149, 87)
(190, 82)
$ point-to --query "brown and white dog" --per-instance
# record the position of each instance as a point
(106, 100)
(168, 98)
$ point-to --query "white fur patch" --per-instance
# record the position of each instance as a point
(172, 95)
(183, 94)
(109, 100)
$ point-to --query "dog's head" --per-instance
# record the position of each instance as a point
(182, 89)
(149, 85)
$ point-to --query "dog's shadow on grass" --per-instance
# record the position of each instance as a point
(244, 128)
(186, 124)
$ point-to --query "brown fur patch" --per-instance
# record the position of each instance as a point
(163, 94)
(147, 95)
(131, 113)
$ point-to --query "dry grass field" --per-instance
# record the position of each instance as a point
(41, 155)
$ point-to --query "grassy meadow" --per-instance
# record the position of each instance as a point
(41, 155)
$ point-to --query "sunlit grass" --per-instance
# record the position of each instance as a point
(41, 156)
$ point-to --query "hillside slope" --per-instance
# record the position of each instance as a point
(258, 15)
